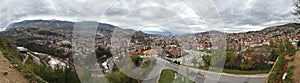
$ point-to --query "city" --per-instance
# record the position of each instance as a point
(67, 51)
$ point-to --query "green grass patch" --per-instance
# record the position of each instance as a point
(167, 76)
(245, 72)
(231, 71)
(206, 51)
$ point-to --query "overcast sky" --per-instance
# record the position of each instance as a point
(175, 15)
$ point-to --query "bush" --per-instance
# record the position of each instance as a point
(58, 75)
(275, 75)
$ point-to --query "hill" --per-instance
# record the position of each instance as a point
(46, 35)
(11, 68)
(8, 72)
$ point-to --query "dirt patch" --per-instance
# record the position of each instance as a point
(296, 64)
(287, 57)
(8, 74)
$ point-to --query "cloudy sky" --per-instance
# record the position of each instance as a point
(178, 16)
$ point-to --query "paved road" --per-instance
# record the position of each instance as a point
(36, 59)
(200, 76)
(26, 57)
(209, 77)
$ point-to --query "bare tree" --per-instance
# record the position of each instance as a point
(296, 11)
(194, 60)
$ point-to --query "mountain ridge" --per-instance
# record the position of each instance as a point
(70, 24)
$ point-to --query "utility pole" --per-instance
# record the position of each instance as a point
(187, 72)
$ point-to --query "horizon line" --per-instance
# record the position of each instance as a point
(53, 19)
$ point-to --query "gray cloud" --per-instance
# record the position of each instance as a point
(13, 10)
(237, 15)
(254, 14)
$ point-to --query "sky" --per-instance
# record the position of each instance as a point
(177, 16)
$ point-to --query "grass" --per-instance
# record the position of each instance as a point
(276, 73)
(245, 72)
(167, 76)
(289, 77)
(22, 68)
(11, 53)
(206, 51)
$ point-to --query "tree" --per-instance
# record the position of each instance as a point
(218, 60)
(296, 11)
(206, 60)
(57, 75)
(231, 60)
(291, 50)
(194, 60)
(274, 55)
(272, 44)
(103, 54)
(298, 44)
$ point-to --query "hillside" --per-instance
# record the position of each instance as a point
(45, 35)
(8, 73)
(296, 64)
(290, 29)
(46, 38)
(11, 63)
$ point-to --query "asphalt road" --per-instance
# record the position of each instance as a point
(201, 76)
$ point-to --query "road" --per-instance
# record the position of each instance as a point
(35, 59)
(25, 59)
(201, 76)
(209, 77)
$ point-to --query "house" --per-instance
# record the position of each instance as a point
(295, 43)
(255, 44)
(54, 63)
(150, 52)
(22, 49)
(298, 36)
(266, 42)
